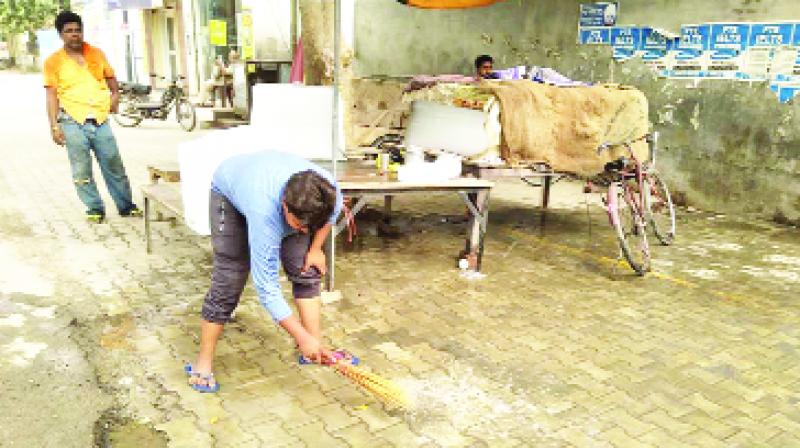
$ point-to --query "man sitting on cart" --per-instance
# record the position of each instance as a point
(484, 64)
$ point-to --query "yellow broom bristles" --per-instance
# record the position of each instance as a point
(383, 389)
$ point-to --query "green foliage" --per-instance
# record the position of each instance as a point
(19, 16)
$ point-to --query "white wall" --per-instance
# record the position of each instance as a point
(272, 22)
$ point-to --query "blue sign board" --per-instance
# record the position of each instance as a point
(796, 40)
(728, 40)
(625, 41)
(595, 36)
(653, 45)
(695, 39)
(599, 14)
(770, 34)
(796, 43)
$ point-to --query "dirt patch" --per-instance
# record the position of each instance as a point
(113, 431)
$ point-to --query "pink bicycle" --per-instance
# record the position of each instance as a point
(638, 198)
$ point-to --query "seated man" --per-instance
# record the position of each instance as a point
(484, 64)
(215, 86)
(267, 209)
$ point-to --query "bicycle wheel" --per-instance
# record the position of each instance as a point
(184, 112)
(660, 210)
(629, 222)
(128, 116)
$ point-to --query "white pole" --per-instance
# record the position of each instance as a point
(337, 38)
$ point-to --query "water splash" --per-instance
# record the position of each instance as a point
(470, 403)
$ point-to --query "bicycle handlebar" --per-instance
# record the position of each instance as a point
(607, 146)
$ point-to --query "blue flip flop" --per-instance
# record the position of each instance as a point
(205, 388)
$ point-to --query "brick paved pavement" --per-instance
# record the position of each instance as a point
(556, 347)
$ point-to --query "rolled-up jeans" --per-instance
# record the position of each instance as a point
(232, 261)
(81, 140)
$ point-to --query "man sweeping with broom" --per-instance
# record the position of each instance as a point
(265, 207)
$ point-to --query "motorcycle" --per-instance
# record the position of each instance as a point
(135, 105)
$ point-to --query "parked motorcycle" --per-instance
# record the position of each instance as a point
(136, 104)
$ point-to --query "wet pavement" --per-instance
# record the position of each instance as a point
(559, 345)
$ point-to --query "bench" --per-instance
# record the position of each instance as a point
(160, 197)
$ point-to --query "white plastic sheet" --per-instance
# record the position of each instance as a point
(295, 118)
(452, 129)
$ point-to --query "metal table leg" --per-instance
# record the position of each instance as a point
(387, 209)
(330, 278)
(478, 205)
(548, 180)
(147, 235)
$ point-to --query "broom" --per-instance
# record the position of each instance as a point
(386, 391)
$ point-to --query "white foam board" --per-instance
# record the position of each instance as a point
(453, 129)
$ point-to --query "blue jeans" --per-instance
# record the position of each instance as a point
(81, 140)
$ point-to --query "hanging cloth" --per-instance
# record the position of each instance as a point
(448, 4)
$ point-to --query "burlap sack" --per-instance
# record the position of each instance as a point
(564, 126)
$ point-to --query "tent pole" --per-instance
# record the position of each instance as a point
(337, 42)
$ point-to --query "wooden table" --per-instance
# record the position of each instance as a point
(361, 182)
(358, 181)
(536, 175)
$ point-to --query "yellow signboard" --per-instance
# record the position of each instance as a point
(245, 31)
(218, 32)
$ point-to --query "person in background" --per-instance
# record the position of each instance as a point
(484, 64)
(81, 92)
(216, 83)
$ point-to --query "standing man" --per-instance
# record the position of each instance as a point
(267, 209)
(81, 92)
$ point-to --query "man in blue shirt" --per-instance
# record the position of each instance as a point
(265, 209)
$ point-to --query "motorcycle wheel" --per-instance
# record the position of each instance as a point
(186, 115)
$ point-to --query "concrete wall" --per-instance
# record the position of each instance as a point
(730, 147)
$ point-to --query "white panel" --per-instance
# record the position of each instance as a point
(199, 158)
(448, 128)
(295, 118)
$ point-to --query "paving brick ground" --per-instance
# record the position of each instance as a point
(557, 346)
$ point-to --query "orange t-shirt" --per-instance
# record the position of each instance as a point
(81, 89)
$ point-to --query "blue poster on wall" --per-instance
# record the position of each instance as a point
(796, 43)
(728, 41)
(654, 45)
(625, 41)
(691, 60)
(694, 40)
(770, 34)
(595, 36)
(599, 14)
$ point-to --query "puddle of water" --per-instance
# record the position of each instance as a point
(14, 320)
(706, 274)
(132, 435)
(783, 259)
(21, 352)
(18, 276)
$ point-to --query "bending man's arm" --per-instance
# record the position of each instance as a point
(264, 267)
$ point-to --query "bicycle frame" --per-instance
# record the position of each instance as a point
(631, 171)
